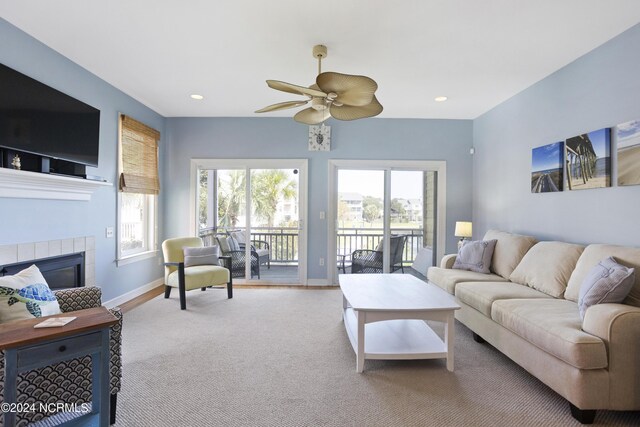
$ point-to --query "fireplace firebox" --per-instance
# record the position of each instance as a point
(60, 272)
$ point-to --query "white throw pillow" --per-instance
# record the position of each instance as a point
(26, 295)
(475, 256)
(207, 255)
(608, 281)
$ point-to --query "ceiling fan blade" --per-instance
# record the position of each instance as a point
(309, 116)
(351, 90)
(281, 106)
(291, 88)
(348, 112)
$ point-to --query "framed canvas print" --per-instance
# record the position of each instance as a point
(589, 160)
(547, 168)
(628, 136)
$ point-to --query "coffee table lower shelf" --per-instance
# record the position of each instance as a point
(395, 339)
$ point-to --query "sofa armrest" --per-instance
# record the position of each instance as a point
(618, 325)
(447, 261)
(79, 298)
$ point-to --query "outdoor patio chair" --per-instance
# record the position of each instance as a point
(197, 276)
(368, 261)
(238, 256)
(261, 247)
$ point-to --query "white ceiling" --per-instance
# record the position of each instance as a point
(477, 52)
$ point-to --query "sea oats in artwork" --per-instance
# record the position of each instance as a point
(628, 136)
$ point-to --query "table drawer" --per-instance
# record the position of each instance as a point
(59, 350)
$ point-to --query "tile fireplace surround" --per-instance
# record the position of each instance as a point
(24, 252)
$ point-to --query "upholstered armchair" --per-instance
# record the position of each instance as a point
(68, 382)
(186, 278)
(368, 261)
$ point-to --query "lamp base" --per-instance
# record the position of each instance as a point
(461, 243)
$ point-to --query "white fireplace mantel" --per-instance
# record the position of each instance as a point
(34, 185)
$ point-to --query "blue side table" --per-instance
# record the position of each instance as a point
(26, 348)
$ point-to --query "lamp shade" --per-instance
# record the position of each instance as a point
(463, 229)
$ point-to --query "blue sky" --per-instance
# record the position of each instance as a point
(600, 141)
(547, 157)
(628, 134)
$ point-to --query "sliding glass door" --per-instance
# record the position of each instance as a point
(375, 202)
(268, 244)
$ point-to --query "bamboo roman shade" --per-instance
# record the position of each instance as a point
(139, 157)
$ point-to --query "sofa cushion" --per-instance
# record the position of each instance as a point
(475, 256)
(481, 295)
(547, 267)
(592, 255)
(607, 282)
(509, 250)
(447, 278)
(553, 325)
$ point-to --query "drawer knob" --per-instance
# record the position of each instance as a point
(62, 348)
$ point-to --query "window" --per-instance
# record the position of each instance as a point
(139, 186)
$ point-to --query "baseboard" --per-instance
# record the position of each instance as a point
(317, 282)
(134, 293)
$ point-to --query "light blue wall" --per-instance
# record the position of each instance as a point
(30, 220)
(598, 90)
(398, 139)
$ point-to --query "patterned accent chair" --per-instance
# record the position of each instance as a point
(367, 261)
(69, 381)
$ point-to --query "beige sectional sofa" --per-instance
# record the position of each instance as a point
(527, 308)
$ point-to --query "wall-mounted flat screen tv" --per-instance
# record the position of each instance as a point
(39, 119)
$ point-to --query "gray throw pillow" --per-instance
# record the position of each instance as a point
(475, 256)
(607, 282)
(207, 255)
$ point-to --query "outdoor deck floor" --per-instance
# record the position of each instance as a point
(288, 275)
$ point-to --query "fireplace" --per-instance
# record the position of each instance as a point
(60, 272)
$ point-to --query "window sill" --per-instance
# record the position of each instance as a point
(137, 257)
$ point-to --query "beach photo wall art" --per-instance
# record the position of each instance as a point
(588, 158)
(628, 136)
(547, 168)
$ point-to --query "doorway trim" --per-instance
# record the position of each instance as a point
(248, 164)
(438, 166)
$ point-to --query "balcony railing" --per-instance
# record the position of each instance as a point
(350, 239)
(283, 241)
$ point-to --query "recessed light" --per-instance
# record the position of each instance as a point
(440, 98)
(196, 96)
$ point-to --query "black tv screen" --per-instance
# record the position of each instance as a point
(39, 119)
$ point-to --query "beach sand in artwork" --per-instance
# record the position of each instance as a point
(629, 165)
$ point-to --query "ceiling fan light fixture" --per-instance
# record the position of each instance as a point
(318, 104)
(440, 98)
(337, 95)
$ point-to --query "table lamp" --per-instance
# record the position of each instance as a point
(464, 231)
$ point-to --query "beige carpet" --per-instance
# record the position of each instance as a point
(281, 357)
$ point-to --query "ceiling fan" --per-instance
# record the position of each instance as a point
(341, 96)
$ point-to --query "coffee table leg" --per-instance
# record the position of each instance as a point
(449, 340)
(360, 340)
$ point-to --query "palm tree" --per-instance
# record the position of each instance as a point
(267, 188)
(231, 198)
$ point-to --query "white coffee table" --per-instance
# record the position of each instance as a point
(384, 315)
